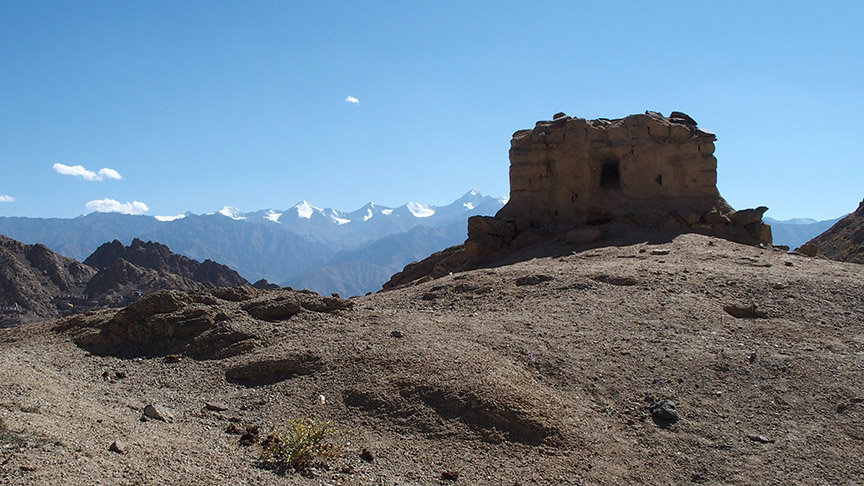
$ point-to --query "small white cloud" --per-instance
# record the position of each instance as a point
(110, 174)
(86, 174)
(5, 198)
(111, 206)
(352, 99)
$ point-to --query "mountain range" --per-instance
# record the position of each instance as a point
(797, 231)
(322, 249)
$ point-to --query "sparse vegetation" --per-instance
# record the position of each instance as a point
(300, 444)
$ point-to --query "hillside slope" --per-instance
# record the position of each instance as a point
(541, 371)
(33, 278)
(844, 241)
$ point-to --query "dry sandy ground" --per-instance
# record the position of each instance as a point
(473, 378)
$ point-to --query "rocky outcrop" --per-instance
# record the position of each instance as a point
(206, 324)
(569, 174)
(159, 257)
(843, 242)
(36, 283)
(121, 282)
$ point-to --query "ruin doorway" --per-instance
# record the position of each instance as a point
(610, 176)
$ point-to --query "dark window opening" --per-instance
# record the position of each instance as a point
(609, 176)
(659, 179)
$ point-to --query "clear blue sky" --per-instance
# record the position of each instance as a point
(198, 105)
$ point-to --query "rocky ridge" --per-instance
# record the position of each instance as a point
(843, 242)
(33, 281)
(36, 283)
(160, 258)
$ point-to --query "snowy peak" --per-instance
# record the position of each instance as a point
(272, 215)
(231, 212)
(166, 219)
(420, 210)
(311, 217)
(337, 216)
(305, 210)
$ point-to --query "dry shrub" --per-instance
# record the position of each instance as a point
(300, 443)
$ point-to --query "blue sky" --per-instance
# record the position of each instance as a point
(198, 105)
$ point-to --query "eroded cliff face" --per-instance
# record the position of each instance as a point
(569, 176)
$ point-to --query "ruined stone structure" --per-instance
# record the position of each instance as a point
(568, 176)
(585, 180)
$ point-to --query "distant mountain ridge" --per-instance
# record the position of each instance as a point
(797, 231)
(303, 246)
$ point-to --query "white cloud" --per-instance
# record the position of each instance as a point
(86, 174)
(111, 206)
(352, 99)
(5, 198)
(110, 174)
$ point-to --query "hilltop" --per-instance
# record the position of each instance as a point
(536, 372)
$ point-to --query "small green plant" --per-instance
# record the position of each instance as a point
(300, 444)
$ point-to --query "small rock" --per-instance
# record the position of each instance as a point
(450, 475)
(664, 412)
(159, 412)
(760, 438)
(679, 116)
(250, 437)
(367, 455)
(808, 249)
(216, 406)
(397, 334)
(532, 280)
(173, 358)
(660, 251)
(741, 311)
(233, 430)
(120, 375)
(118, 446)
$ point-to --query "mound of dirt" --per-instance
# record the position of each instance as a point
(667, 360)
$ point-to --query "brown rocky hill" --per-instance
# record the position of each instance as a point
(122, 282)
(550, 370)
(843, 242)
(34, 281)
(160, 258)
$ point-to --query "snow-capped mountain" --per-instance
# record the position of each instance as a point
(470, 203)
(325, 249)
